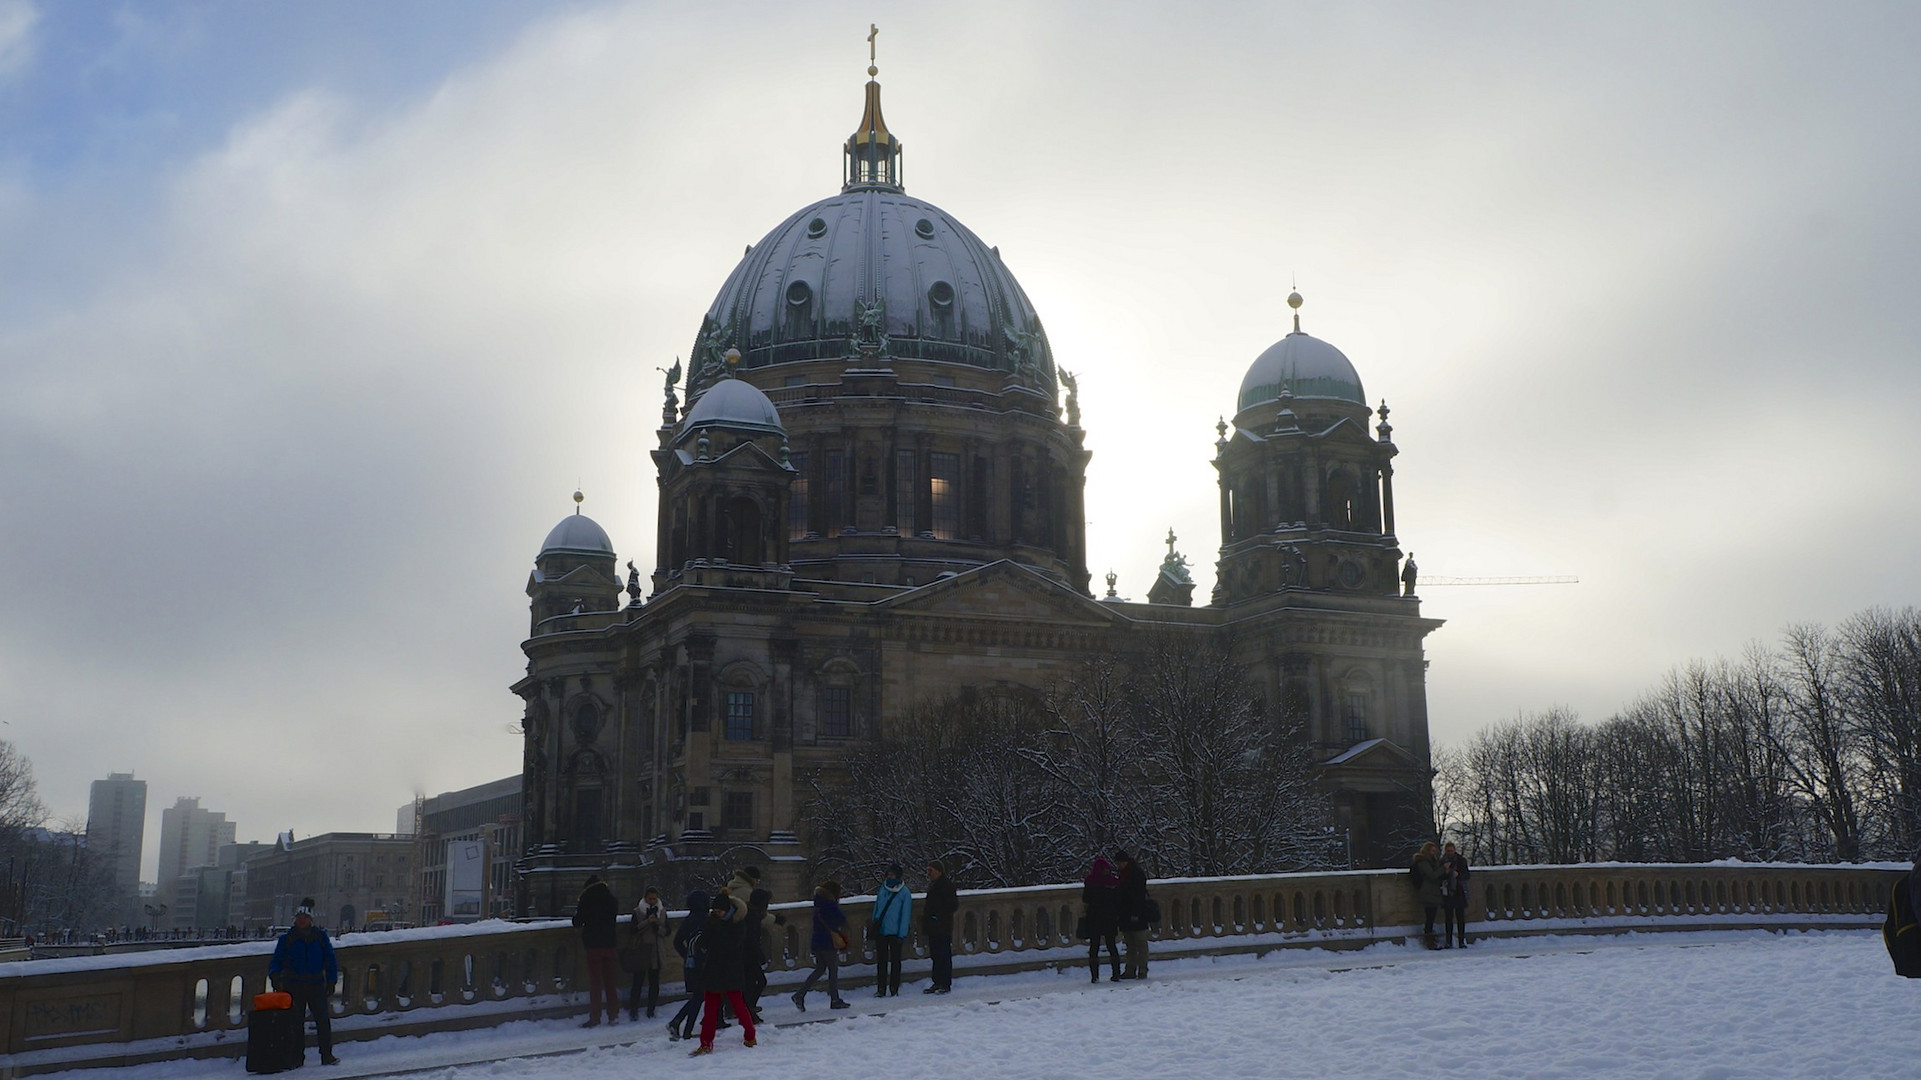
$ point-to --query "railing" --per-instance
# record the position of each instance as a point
(131, 1008)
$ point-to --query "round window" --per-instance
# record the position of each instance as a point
(941, 294)
(816, 229)
(924, 229)
(798, 294)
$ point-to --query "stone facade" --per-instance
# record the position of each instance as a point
(873, 496)
(347, 875)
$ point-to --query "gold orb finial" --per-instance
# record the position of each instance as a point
(578, 499)
(873, 32)
(1294, 300)
(732, 359)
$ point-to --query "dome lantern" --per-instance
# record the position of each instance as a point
(873, 153)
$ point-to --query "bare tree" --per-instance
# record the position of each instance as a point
(1881, 670)
(1820, 740)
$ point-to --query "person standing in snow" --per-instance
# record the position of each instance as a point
(759, 925)
(723, 969)
(892, 919)
(303, 965)
(1134, 914)
(744, 882)
(686, 938)
(595, 914)
(1426, 872)
(828, 939)
(644, 937)
(1100, 907)
(937, 922)
(1454, 896)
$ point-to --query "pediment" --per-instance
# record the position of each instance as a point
(742, 456)
(1346, 430)
(1002, 590)
(1373, 754)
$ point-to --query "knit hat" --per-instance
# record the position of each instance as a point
(305, 908)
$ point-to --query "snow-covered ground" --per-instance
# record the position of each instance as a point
(1713, 1004)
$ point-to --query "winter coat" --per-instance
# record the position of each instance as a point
(1131, 899)
(828, 917)
(1100, 900)
(1427, 880)
(594, 916)
(304, 956)
(722, 963)
(740, 886)
(645, 934)
(760, 923)
(939, 906)
(1454, 880)
(893, 909)
(686, 933)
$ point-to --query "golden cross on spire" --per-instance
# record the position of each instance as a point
(873, 31)
(1170, 542)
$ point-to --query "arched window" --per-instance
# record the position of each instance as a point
(1357, 699)
(740, 532)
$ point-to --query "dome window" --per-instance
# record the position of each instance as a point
(798, 294)
(941, 294)
(924, 229)
(816, 228)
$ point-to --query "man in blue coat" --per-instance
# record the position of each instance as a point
(303, 965)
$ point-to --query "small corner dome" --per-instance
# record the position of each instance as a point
(1304, 365)
(732, 403)
(577, 534)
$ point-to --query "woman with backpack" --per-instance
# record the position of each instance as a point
(828, 939)
(686, 942)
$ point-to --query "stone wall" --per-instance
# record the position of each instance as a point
(126, 1009)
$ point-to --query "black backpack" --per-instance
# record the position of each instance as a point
(1901, 934)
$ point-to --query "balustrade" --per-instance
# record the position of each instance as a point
(194, 1002)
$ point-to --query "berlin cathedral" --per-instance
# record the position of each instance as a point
(870, 494)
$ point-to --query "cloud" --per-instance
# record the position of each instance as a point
(17, 19)
(278, 453)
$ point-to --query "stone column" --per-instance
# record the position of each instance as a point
(1387, 499)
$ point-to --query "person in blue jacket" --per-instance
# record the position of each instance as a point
(303, 965)
(892, 919)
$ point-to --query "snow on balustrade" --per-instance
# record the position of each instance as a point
(193, 1001)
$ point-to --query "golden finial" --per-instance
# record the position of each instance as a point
(732, 359)
(873, 31)
(1294, 301)
(578, 499)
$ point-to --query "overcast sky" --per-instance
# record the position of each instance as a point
(313, 317)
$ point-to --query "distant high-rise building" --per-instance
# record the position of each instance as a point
(116, 830)
(189, 837)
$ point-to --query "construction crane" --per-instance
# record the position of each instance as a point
(1557, 579)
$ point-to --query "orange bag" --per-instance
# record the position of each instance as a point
(278, 999)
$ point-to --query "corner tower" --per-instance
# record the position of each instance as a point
(1307, 494)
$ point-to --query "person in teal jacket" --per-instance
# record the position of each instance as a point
(303, 965)
(892, 918)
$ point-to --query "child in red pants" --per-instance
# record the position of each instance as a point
(723, 969)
